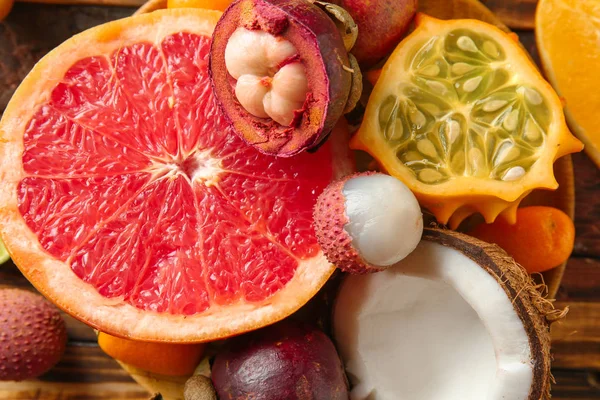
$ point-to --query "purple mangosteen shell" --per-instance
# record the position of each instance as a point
(321, 51)
(286, 361)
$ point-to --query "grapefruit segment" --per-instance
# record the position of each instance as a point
(187, 63)
(94, 95)
(156, 234)
(62, 211)
(52, 141)
(128, 202)
(267, 266)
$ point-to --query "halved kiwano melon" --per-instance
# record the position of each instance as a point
(126, 199)
(462, 116)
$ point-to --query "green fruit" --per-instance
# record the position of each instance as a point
(4, 256)
(33, 335)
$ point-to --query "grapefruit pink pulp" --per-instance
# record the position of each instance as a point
(127, 201)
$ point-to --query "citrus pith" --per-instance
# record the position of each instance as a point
(127, 201)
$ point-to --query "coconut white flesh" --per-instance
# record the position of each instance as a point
(385, 220)
(435, 326)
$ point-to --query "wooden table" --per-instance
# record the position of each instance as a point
(86, 373)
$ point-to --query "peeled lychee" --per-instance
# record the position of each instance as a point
(367, 222)
(33, 335)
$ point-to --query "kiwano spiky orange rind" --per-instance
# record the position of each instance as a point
(462, 116)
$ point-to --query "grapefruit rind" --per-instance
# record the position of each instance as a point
(55, 279)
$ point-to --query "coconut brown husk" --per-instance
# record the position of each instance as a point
(536, 312)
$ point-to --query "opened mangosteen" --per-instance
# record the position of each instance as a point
(280, 72)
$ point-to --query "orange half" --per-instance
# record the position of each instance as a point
(567, 34)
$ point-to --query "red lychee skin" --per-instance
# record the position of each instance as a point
(285, 361)
(329, 219)
(33, 335)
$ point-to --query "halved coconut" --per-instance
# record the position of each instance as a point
(455, 320)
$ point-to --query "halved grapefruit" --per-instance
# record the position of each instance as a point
(126, 200)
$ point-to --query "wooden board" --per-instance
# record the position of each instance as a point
(517, 14)
(86, 373)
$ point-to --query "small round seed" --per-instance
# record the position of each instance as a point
(514, 173)
(394, 130)
(431, 70)
(417, 117)
(426, 147)
(494, 105)
(533, 96)
(511, 121)
(387, 109)
(452, 131)
(461, 68)
(506, 153)
(429, 175)
(437, 87)
(458, 161)
(532, 132)
(476, 160)
(465, 43)
(471, 84)
(412, 156)
(511, 154)
(490, 49)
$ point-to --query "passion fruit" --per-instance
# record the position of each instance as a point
(280, 73)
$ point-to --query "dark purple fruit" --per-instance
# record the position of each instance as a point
(286, 361)
(280, 72)
(381, 26)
